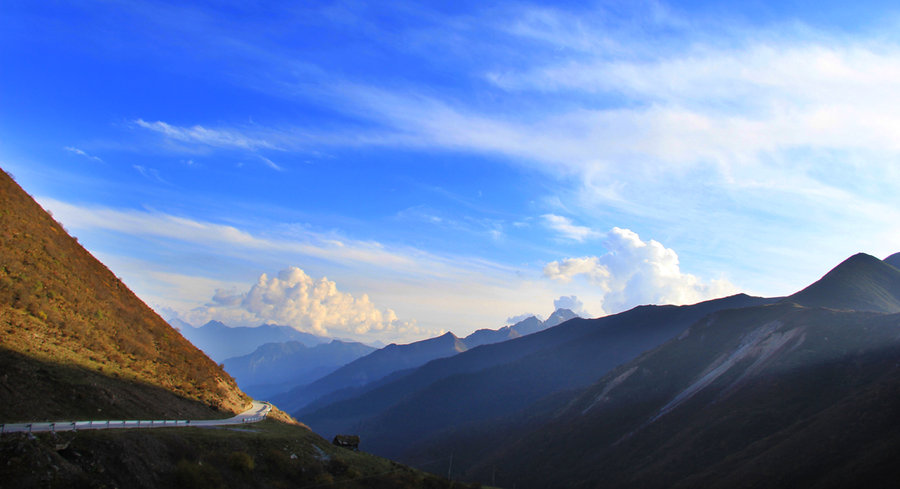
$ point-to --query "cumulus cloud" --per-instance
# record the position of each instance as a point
(571, 303)
(589, 266)
(634, 272)
(295, 299)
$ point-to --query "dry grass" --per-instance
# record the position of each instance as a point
(59, 304)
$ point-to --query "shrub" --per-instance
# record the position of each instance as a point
(195, 475)
(240, 462)
(337, 467)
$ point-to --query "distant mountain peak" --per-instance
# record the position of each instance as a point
(220, 341)
(560, 316)
(861, 282)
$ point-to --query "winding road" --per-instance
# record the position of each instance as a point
(256, 413)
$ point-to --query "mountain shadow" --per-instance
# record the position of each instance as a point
(781, 395)
(496, 381)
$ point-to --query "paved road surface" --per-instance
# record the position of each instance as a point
(256, 413)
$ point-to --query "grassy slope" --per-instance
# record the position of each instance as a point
(35, 390)
(59, 305)
(264, 455)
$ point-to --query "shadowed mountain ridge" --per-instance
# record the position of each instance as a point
(860, 283)
(500, 379)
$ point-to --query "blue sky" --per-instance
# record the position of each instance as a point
(404, 168)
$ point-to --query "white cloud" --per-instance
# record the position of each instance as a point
(571, 303)
(589, 266)
(197, 134)
(149, 173)
(295, 299)
(80, 152)
(271, 164)
(149, 223)
(634, 272)
(564, 226)
(519, 317)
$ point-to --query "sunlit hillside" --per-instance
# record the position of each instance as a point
(62, 312)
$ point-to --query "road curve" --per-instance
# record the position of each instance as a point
(257, 412)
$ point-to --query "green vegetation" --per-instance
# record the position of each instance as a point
(268, 454)
(59, 305)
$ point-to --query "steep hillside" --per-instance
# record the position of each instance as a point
(372, 367)
(222, 342)
(496, 381)
(860, 283)
(277, 367)
(61, 310)
(802, 388)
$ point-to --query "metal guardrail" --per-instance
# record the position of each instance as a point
(54, 426)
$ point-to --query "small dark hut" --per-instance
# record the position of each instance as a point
(347, 441)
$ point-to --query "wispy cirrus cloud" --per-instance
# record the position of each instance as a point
(565, 227)
(219, 138)
(149, 173)
(157, 224)
(271, 164)
(81, 152)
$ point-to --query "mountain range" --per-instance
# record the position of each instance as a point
(660, 396)
(374, 368)
(276, 367)
(494, 381)
(801, 392)
(222, 342)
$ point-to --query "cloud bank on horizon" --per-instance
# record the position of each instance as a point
(295, 299)
(456, 164)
